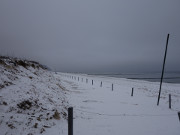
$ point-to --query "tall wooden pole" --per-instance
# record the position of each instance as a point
(163, 69)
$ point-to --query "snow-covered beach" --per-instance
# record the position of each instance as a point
(34, 101)
(101, 110)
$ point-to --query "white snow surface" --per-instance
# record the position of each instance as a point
(103, 111)
(98, 110)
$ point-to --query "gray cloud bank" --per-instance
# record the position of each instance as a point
(92, 35)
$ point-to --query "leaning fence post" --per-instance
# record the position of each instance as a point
(132, 91)
(70, 121)
(169, 101)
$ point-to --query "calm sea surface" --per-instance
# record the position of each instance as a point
(153, 77)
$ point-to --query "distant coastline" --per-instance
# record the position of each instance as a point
(170, 77)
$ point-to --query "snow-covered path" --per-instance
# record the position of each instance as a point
(101, 111)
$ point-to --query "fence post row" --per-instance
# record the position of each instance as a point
(70, 121)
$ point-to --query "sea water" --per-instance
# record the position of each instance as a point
(170, 77)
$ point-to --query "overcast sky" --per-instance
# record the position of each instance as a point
(92, 35)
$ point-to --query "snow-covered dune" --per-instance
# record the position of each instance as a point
(32, 100)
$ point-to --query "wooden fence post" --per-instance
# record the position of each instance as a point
(132, 91)
(112, 87)
(179, 115)
(92, 82)
(70, 121)
(169, 101)
(101, 83)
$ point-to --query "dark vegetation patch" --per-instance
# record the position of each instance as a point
(25, 105)
(56, 115)
(5, 84)
(10, 125)
(1, 86)
(24, 63)
(2, 62)
(4, 103)
(42, 130)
